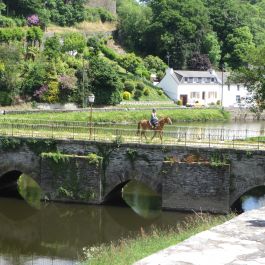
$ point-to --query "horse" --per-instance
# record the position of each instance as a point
(144, 125)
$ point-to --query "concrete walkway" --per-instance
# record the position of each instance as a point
(240, 241)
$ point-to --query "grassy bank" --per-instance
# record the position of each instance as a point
(128, 251)
(176, 115)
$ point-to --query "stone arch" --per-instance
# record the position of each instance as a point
(236, 197)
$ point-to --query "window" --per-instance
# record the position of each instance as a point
(238, 99)
(212, 79)
(208, 80)
(195, 80)
(199, 80)
(186, 79)
(190, 80)
(212, 94)
(238, 87)
(195, 94)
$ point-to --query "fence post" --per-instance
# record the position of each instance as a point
(233, 141)
(73, 132)
(258, 142)
(32, 130)
(12, 125)
(209, 140)
(185, 138)
(52, 130)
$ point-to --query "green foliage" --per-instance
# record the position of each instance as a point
(109, 53)
(74, 42)
(129, 86)
(212, 47)
(52, 48)
(140, 86)
(126, 95)
(239, 43)
(11, 34)
(34, 36)
(146, 91)
(9, 144)
(104, 82)
(130, 62)
(154, 64)
(94, 159)
(137, 94)
(5, 99)
(6, 22)
(56, 157)
(39, 146)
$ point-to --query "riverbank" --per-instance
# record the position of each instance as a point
(132, 116)
(128, 251)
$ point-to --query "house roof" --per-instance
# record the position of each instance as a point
(210, 74)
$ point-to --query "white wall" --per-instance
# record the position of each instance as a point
(229, 97)
(169, 85)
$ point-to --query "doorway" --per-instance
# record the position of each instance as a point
(184, 99)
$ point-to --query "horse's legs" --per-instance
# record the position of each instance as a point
(154, 135)
(161, 135)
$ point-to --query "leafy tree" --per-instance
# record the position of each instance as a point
(74, 42)
(199, 62)
(104, 82)
(212, 47)
(238, 44)
(252, 76)
(177, 28)
(52, 48)
(132, 24)
(130, 62)
(154, 64)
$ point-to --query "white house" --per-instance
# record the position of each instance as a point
(204, 87)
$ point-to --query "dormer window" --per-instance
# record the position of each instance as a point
(238, 87)
(199, 80)
(190, 80)
(212, 79)
(186, 79)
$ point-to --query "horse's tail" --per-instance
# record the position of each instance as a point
(138, 128)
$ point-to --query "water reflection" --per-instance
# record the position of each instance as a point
(251, 203)
(61, 231)
(143, 200)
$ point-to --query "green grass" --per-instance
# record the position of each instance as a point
(176, 115)
(128, 251)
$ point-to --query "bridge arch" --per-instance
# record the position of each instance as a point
(254, 190)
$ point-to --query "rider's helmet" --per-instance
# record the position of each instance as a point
(154, 110)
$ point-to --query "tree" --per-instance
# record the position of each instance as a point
(130, 62)
(199, 62)
(133, 21)
(52, 48)
(74, 42)
(212, 47)
(238, 45)
(252, 76)
(177, 28)
(154, 64)
(104, 82)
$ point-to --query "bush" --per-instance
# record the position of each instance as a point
(179, 102)
(146, 91)
(105, 15)
(6, 22)
(129, 86)
(109, 53)
(5, 99)
(140, 86)
(137, 94)
(126, 95)
(160, 92)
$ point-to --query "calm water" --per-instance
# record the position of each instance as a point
(57, 233)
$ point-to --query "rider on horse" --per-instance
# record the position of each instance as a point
(154, 119)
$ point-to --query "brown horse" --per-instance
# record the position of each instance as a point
(144, 125)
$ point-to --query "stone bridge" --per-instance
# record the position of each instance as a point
(187, 178)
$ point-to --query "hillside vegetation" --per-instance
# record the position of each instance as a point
(57, 51)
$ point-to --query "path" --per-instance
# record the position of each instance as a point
(240, 241)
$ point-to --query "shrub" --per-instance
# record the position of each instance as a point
(129, 86)
(6, 22)
(5, 99)
(218, 102)
(179, 102)
(126, 95)
(140, 86)
(160, 92)
(137, 94)
(109, 53)
(146, 91)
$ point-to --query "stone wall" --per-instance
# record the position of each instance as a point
(108, 4)
(187, 178)
(72, 178)
(196, 186)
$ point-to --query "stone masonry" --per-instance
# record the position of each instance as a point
(187, 178)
